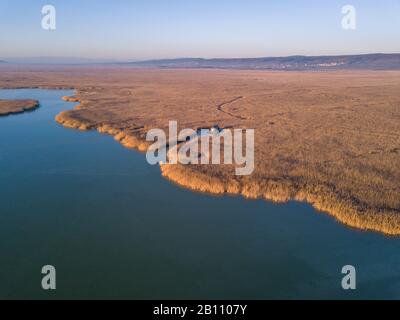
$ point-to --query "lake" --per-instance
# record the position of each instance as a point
(114, 228)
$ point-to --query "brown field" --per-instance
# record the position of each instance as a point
(8, 107)
(331, 139)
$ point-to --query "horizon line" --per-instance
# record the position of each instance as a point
(127, 60)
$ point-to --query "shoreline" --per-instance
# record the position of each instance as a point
(128, 141)
(320, 197)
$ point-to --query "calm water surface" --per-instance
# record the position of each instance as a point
(113, 228)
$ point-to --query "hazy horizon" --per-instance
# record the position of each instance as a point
(82, 60)
(155, 29)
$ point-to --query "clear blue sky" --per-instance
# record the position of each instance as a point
(143, 29)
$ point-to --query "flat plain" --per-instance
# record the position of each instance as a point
(331, 139)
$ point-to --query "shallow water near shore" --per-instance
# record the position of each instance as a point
(114, 228)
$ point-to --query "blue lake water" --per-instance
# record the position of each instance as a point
(114, 228)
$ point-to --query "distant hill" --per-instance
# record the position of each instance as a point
(351, 62)
(378, 61)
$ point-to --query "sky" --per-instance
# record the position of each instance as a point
(153, 29)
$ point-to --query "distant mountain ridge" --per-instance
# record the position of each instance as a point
(377, 61)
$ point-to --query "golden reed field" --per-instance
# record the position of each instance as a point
(331, 139)
(8, 107)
